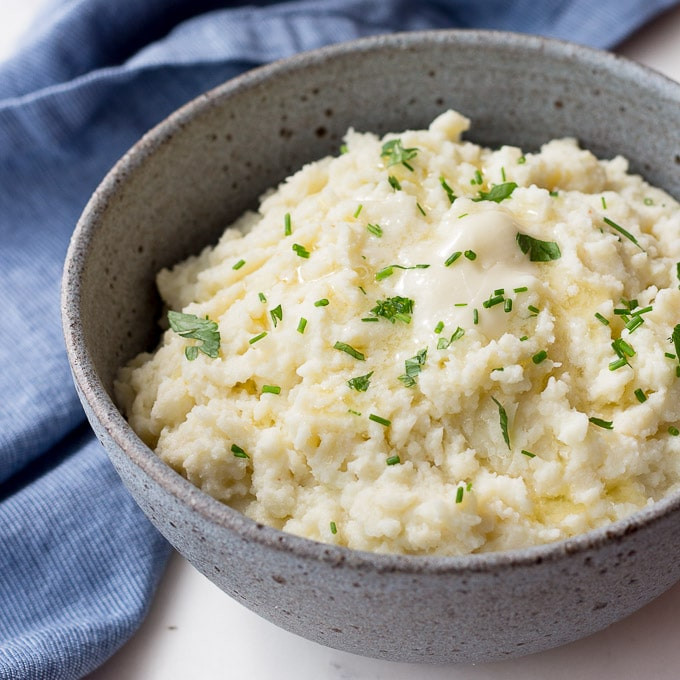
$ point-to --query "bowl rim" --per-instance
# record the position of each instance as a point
(92, 390)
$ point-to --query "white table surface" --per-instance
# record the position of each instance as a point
(193, 630)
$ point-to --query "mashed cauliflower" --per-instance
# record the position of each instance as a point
(428, 347)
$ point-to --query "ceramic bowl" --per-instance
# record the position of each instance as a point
(177, 188)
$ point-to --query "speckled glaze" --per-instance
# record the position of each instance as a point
(172, 194)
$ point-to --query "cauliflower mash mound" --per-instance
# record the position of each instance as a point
(428, 347)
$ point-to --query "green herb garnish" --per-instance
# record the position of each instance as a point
(380, 421)
(394, 153)
(361, 383)
(323, 302)
(239, 264)
(392, 460)
(394, 309)
(497, 193)
(287, 229)
(394, 182)
(302, 324)
(459, 494)
(601, 319)
(539, 357)
(276, 314)
(673, 431)
(539, 251)
(439, 327)
(503, 417)
(449, 191)
(528, 454)
(375, 229)
(257, 337)
(357, 212)
(471, 255)
(262, 297)
(334, 528)
(203, 330)
(605, 424)
(521, 160)
(413, 367)
(622, 231)
(641, 396)
(348, 349)
(389, 270)
(452, 258)
(300, 251)
(271, 389)
(444, 343)
(238, 451)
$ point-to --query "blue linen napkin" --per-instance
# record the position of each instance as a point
(78, 561)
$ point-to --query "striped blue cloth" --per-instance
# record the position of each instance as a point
(78, 562)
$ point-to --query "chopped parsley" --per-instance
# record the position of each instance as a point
(539, 251)
(503, 417)
(497, 193)
(348, 349)
(444, 343)
(394, 153)
(238, 451)
(413, 367)
(276, 315)
(394, 309)
(361, 383)
(203, 330)
(300, 251)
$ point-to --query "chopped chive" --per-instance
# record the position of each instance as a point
(394, 182)
(363, 290)
(533, 309)
(276, 314)
(521, 289)
(601, 319)
(300, 251)
(238, 451)
(374, 229)
(323, 302)
(381, 421)
(621, 312)
(471, 255)
(358, 210)
(521, 160)
(604, 203)
(354, 413)
(648, 201)
(348, 349)
(287, 229)
(420, 209)
(634, 323)
(334, 528)
(475, 316)
(302, 324)
(644, 310)
(673, 431)
(605, 424)
(389, 270)
(393, 460)
(239, 264)
(523, 338)
(498, 368)
(439, 327)
(641, 396)
(468, 487)
(459, 494)
(499, 291)
(491, 302)
(463, 215)
(528, 454)
(460, 304)
(262, 297)
(503, 173)
(344, 148)
(621, 347)
(503, 416)
(449, 191)
(452, 258)
(271, 389)
(539, 357)
(361, 383)
(618, 363)
(370, 319)
(622, 231)
(677, 371)
(554, 193)
(253, 340)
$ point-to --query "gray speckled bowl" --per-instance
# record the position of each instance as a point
(173, 193)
